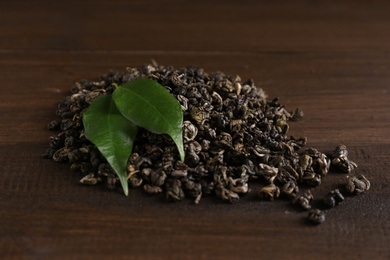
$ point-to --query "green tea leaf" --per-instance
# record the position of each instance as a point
(112, 134)
(148, 104)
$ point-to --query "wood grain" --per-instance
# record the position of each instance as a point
(329, 58)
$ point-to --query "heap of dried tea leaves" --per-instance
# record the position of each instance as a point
(232, 134)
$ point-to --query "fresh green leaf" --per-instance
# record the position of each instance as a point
(149, 105)
(112, 134)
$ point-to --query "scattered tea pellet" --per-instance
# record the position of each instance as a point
(316, 216)
(341, 161)
(333, 198)
(357, 185)
(304, 200)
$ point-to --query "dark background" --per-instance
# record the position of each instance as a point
(329, 58)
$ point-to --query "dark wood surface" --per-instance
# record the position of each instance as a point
(329, 58)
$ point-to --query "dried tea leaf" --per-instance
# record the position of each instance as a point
(112, 134)
(149, 105)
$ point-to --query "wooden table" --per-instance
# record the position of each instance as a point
(329, 58)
